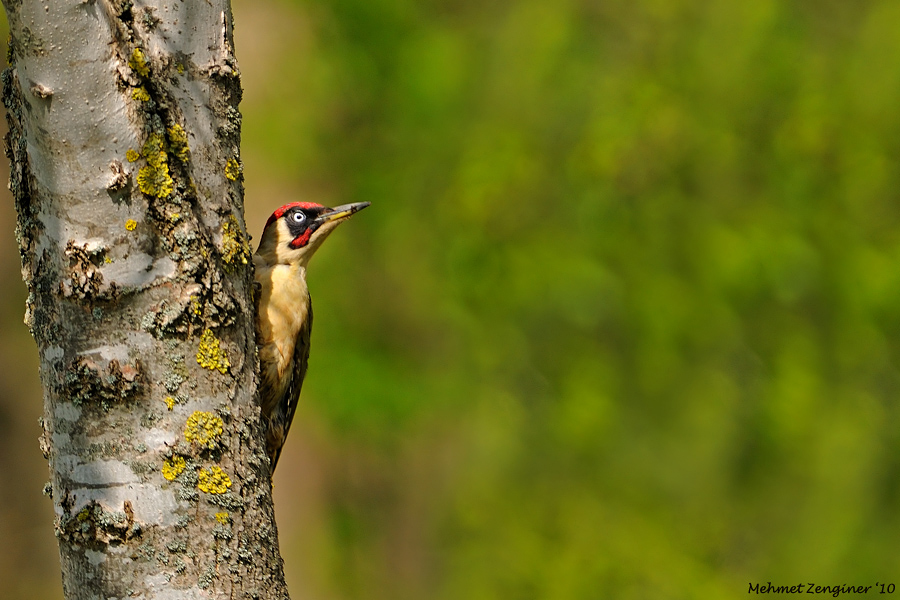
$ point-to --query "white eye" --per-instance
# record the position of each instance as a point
(298, 217)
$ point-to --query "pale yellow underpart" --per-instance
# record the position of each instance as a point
(284, 303)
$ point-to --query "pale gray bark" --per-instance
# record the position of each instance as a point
(124, 141)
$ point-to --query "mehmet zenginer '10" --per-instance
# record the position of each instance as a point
(284, 314)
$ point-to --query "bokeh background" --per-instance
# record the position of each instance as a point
(622, 320)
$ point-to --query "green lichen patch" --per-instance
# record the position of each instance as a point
(204, 429)
(213, 481)
(180, 566)
(206, 578)
(235, 250)
(138, 63)
(173, 467)
(233, 169)
(186, 494)
(178, 142)
(172, 382)
(228, 501)
(183, 521)
(210, 355)
(222, 532)
(232, 125)
(178, 367)
(142, 468)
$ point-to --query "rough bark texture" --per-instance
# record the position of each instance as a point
(124, 142)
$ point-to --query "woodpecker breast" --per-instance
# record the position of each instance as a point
(284, 307)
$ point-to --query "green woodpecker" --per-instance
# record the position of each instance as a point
(284, 313)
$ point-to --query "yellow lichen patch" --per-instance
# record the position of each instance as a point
(154, 150)
(233, 169)
(84, 514)
(138, 63)
(132, 155)
(170, 402)
(234, 249)
(180, 68)
(130, 224)
(178, 142)
(154, 179)
(210, 355)
(173, 467)
(153, 147)
(140, 94)
(223, 517)
(196, 308)
(213, 481)
(203, 429)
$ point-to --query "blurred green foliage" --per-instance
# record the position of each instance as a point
(629, 280)
(622, 320)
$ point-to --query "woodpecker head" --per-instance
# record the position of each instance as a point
(295, 231)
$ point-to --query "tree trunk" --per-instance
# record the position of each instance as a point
(124, 138)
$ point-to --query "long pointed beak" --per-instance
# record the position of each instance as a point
(339, 213)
